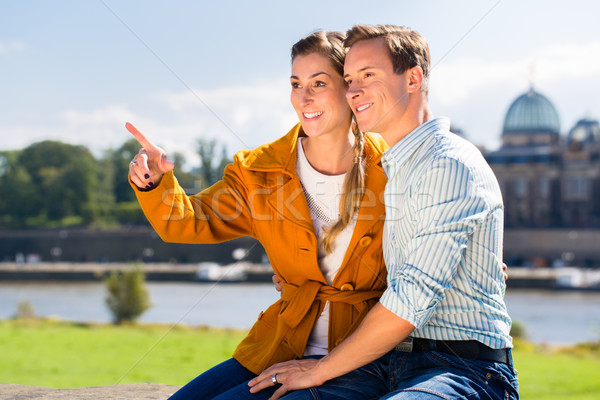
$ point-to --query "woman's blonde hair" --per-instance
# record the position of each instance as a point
(331, 46)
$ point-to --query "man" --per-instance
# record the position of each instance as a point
(441, 328)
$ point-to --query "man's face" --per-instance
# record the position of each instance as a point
(378, 96)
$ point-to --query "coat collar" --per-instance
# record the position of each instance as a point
(279, 155)
(288, 198)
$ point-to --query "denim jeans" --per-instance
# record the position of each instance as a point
(229, 381)
(436, 375)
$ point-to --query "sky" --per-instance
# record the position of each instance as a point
(77, 70)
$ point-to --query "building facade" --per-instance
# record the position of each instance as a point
(549, 180)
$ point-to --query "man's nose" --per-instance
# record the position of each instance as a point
(353, 92)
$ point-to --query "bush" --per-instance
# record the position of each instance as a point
(128, 296)
(25, 310)
(518, 331)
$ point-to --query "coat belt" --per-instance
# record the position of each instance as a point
(301, 298)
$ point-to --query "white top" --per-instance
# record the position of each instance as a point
(323, 197)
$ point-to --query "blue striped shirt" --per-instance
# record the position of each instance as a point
(442, 238)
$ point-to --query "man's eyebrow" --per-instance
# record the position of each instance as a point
(312, 76)
(360, 70)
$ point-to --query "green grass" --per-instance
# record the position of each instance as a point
(61, 354)
(549, 373)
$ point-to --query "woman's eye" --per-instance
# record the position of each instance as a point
(348, 82)
(368, 74)
(295, 85)
(319, 83)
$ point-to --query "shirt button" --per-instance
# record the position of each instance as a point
(346, 287)
(365, 241)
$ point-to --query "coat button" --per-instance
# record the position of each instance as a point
(346, 287)
(365, 241)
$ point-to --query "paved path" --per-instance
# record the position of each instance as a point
(131, 391)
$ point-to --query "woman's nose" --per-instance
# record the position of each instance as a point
(305, 96)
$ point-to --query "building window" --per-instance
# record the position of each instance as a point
(544, 187)
(577, 187)
(521, 187)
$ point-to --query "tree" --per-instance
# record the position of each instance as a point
(17, 191)
(211, 169)
(120, 160)
(128, 297)
(64, 177)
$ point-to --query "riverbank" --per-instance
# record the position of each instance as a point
(158, 272)
(566, 278)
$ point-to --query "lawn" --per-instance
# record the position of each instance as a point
(60, 355)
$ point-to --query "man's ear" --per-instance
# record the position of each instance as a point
(415, 79)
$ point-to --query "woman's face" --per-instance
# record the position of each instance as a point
(319, 96)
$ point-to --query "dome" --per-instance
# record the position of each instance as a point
(531, 112)
(585, 131)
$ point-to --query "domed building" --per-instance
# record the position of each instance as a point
(531, 120)
(548, 181)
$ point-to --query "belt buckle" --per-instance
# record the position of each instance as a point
(406, 345)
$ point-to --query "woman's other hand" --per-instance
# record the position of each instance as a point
(278, 283)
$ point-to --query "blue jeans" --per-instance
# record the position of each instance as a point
(436, 375)
(229, 381)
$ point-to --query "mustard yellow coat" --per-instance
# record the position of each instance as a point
(260, 196)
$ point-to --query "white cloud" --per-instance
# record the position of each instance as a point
(239, 117)
(453, 83)
(475, 92)
(11, 46)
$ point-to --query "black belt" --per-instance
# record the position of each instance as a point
(469, 349)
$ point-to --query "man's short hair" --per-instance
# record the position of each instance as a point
(407, 47)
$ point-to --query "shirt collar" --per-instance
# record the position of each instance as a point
(401, 151)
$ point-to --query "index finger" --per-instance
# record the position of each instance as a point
(139, 136)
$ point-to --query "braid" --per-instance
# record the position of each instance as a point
(354, 189)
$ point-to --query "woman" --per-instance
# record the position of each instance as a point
(312, 198)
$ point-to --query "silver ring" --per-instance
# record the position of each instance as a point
(274, 379)
(133, 163)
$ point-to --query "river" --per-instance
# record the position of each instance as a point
(555, 317)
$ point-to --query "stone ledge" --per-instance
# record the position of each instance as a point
(130, 391)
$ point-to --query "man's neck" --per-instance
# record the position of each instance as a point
(410, 122)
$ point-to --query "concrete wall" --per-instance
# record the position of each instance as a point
(575, 247)
(117, 245)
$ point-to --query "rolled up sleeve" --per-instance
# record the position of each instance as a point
(442, 208)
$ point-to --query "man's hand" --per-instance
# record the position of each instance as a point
(149, 164)
(291, 375)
